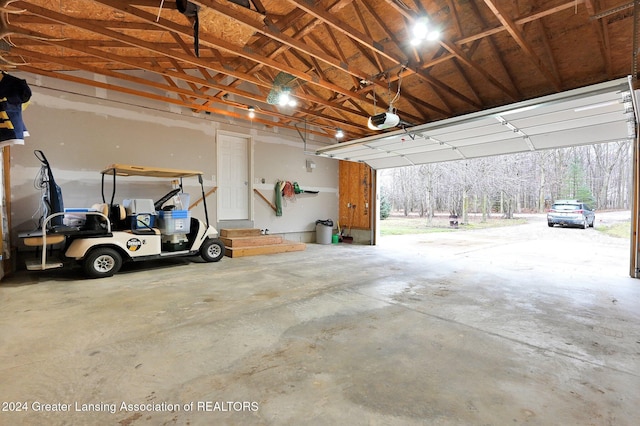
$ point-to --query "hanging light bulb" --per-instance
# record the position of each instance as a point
(252, 112)
(433, 35)
(339, 134)
(421, 31)
(285, 98)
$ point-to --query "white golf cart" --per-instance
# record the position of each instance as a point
(104, 236)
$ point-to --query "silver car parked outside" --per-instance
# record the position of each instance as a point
(571, 213)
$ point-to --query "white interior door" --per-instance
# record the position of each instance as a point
(234, 177)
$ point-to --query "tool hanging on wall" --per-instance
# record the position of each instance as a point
(349, 238)
(298, 190)
(278, 191)
(190, 10)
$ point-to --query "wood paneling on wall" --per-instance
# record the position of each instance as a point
(355, 195)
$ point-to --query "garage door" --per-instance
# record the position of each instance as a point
(595, 114)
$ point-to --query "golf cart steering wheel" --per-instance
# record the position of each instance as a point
(158, 204)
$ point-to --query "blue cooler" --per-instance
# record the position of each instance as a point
(140, 213)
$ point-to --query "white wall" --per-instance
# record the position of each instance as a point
(83, 130)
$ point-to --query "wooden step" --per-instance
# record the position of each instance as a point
(284, 247)
(240, 232)
(258, 240)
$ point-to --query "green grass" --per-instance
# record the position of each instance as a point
(618, 230)
(401, 225)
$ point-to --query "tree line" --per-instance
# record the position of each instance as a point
(599, 175)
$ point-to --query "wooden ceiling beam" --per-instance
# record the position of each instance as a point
(113, 24)
(600, 27)
(375, 56)
(109, 73)
(275, 33)
(381, 22)
(218, 43)
(156, 97)
(407, 13)
(184, 94)
(391, 35)
(467, 80)
(548, 50)
(371, 44)
(345, 28)
(199, 62)
(458, 53)
(456, 19)
(183, 76)
(495, 30)
(605, 45)
(591, 10)
(494, 48)
(520, 21)
(511, 28)
(127, 40)
(339, 55)
(181, 29)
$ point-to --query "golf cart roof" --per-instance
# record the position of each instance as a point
(129, 170)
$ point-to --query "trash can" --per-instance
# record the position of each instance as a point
(453, 220)
(324, 229)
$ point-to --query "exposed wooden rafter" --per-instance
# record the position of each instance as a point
(348, 57)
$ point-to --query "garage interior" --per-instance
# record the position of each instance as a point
(433, 330)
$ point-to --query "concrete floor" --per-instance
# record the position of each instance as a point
(440, 329)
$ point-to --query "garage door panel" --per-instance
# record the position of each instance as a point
(583, 136)
(509, 146)
(587, 115)
(435, 156)
(573, 123)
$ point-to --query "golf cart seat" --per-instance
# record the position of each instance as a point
(95, 224)
(118, 217)
(101, 208)
(36, 239)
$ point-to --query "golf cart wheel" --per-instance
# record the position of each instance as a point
(212, 250)
(102, 262)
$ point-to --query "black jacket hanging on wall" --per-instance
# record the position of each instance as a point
(14, 93)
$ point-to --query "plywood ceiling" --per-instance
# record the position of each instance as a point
(348, 58)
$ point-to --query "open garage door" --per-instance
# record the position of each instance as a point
(596, 114)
